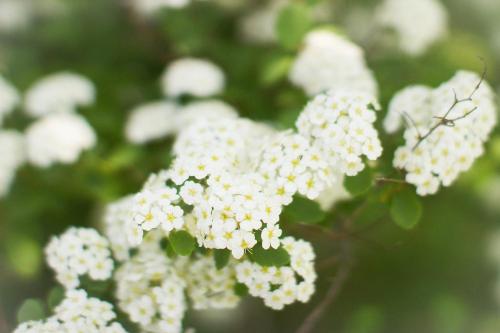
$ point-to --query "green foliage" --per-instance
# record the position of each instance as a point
(293, 23)
(449, 314)
(304, 210)
(31, 309)
(276, 70)
(54, 297)
(406, 209)
(240, 289)
(24, 254)
(182, 242)
(270, 257)
(368, 319)
(359, 184)
(221, 258)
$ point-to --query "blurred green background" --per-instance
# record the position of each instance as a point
(435, 278)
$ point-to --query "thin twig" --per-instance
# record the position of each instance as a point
(330, 296)
(390, 180)
(444, 120)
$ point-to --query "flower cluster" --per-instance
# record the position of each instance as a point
(417, 23)
(433, 157)
(76, 313)
(150, 121)
(150, 290)
(78, 252)
(280, 286)
(191, 76)
(341, 128)
(329, 61)
(209, 287)
(58, 135)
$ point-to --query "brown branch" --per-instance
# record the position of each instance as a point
(338, 282)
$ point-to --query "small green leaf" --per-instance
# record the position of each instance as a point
(240, 289)
(55, 297)
(304, 210)
(406, 209)
(276, 70)
(31, 309)
(359, 184)
(182, 242)
(293, 23)
(221, 258)
(270, 257)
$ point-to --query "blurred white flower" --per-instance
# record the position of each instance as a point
(417, 23)
(191, 76)
(59, 137)
(12, 155)
(258, 26)
(207, 110)
(9, 98)
(328, 61)
(14, 14)
(150, 121)
(60, 92)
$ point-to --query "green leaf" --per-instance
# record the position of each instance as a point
(293, 23)
(240, 289)
(55, 297)
(368, 319)
(221, 258)
(359, 184)
(304, 210)
(406, 209)
(31, 309)
(182, 242)
(276, 70)
(270, 257)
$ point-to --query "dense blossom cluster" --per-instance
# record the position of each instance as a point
(150, 290)
(417, 23)
(76, 313)
(451, 148)
(280, 286)
(341, 128)
(330, 61)
(79, 252)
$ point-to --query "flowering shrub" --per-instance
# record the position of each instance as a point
(242, 173)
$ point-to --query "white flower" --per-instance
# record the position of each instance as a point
(203, 111)
(172, 218)
(59, 137)
(150, 122)
(191, 192)
(417, 23)
(9, 97)
(60, 92)
(329, 61)
(192, 76)
(12, 155)
(270, 237)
